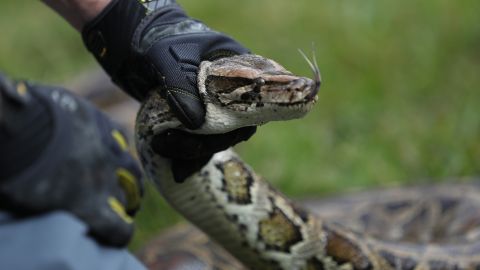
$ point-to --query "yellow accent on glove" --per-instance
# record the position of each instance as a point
(120, 139)
(21, 89)
(128, 182)
(118, 208)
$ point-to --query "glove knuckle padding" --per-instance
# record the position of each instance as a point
(179, 66)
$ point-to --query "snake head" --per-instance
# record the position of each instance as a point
(247, 90)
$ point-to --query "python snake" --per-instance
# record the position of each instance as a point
(262, 228)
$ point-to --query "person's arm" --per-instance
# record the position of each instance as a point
(77, 12)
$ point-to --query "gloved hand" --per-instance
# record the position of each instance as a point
(61, 153)
(156, 46)
(189, 152)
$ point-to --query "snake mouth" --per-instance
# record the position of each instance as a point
(296, 96)
(307, 101)
(298, 91)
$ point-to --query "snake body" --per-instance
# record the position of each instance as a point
(262, 228)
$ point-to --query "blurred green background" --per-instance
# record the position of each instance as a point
(399, 102)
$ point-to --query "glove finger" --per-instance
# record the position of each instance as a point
(212, 144)
(188, 107)
(178, 144)
(185, 168)
(108, 221)
(182, 169)
(128, 172)
(132, 188)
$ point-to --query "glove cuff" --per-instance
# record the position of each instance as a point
(109, 36)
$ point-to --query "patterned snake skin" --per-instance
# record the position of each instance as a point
(410, 229)
(395, 214)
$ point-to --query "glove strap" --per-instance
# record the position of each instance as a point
(109, 38)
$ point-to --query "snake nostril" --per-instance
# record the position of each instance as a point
(297, 84)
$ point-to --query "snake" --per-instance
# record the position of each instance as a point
(252, 225)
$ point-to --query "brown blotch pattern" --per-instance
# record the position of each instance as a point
(278, 232)
(237, 181)
(342, 250)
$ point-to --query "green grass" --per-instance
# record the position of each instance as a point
(399, 102)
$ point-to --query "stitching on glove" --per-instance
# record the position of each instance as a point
(182, 92)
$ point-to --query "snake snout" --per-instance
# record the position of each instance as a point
(299, 84)
(309, 86)
(302, 89)
(314, 88)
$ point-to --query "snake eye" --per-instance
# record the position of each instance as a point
(258, 83)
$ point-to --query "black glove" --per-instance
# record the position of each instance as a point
(155, 45)
(61, 153)
(189, 152)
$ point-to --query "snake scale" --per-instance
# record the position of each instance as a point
(262, 228)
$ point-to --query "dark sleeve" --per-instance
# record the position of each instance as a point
(56, 241)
